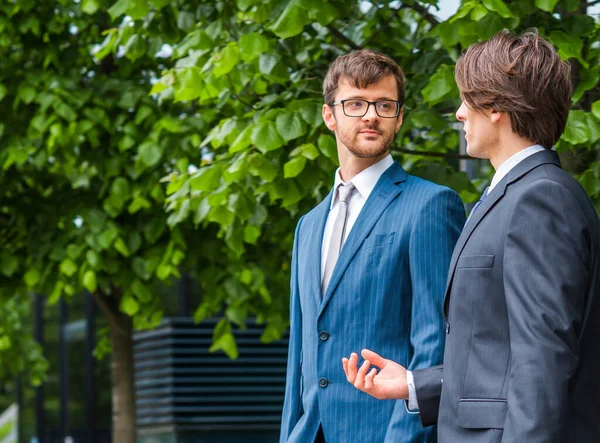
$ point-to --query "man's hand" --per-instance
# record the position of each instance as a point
(389, 383)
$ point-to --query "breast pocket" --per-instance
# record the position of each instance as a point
(375, 240)
(475, 261)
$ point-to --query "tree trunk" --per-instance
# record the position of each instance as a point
(121, 365)
(123, 388)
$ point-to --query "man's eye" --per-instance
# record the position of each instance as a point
(355, 104)
(384, 106)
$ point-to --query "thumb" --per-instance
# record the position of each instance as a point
(374, 358)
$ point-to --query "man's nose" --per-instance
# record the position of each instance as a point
(371, 113)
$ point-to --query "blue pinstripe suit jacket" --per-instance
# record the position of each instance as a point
(386, 292)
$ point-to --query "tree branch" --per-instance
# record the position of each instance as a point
(336, 32)
(423, 11)
(107, 309)
(588, 4)
(433, 154)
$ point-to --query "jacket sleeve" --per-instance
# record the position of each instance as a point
(434, 234)
(546, 261)
(292, 406)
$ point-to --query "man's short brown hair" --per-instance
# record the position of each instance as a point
(523, 76)
(361, 68)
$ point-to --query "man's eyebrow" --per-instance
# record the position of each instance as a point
(360, 97)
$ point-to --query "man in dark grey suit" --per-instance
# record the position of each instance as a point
(522, 303)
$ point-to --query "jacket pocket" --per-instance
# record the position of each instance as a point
(378, 240)
(482, 413)
(475, 261)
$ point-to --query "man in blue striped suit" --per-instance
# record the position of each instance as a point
(369, 266)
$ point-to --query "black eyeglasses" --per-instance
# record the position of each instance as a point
(359, 108)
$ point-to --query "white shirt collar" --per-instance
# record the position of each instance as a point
(365, 181)
(513, 161)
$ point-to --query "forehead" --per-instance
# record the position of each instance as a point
(386, 88)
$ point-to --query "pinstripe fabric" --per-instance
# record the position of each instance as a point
(386, 293)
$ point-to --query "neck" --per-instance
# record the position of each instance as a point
(351, 166)
(507, 148)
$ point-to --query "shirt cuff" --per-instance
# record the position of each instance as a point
(413, 404)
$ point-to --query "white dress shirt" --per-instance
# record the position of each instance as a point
(505, 168)
(364, 182)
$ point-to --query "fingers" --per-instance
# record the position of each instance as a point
(359, 383)
(369, 379)
(350, 367)
(374, 358)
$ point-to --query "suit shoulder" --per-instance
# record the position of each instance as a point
(430, 190)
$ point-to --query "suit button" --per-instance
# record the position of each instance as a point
(447, 328)
(323, 382)
(323, 335)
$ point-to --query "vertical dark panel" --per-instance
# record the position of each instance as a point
(184, 296)
(64, 371)
(40, 419)
(90, 386)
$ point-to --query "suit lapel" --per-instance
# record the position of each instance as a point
(386, 190)
(318, 228)
(491, 200)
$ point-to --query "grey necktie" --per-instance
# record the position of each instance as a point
(337, 235)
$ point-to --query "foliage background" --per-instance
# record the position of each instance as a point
(145, 139)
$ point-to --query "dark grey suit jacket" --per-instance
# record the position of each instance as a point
(522, 358)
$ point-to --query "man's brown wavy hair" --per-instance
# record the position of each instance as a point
(523, 76)
(362, 68)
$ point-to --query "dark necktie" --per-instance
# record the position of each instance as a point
(479, 202)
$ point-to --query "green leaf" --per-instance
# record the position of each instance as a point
(140, 290)
(441, 85)
(32, 277)
(291, 21)
(546, 5)
(262, 167)
(89, 281)
(226, 60)
(207, 178)
(121, 247)
(251, 234)
(150, 153)
(294, 167)
(89, 6)
(252, 45)
(290, 125)
(119, 8)
(266, 138)
(596, 109)
(93, 258)
(499, 7)
(65, 111)
(577, 130)
(478, 12)
(26, 94)
(129, 305)
(68, 267)
(135, 47)
(153, 229)
(568, 45)
(307, 150)
(328, 146)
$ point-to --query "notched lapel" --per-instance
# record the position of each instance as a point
(521, 169)
(490, 201)
(317, 230)
(387, 189)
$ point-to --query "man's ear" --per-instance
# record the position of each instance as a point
(496, 116)
(328, 117)
(399, 120)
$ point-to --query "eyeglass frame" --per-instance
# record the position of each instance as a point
(341, 102)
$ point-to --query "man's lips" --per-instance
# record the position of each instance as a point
(369, 132)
